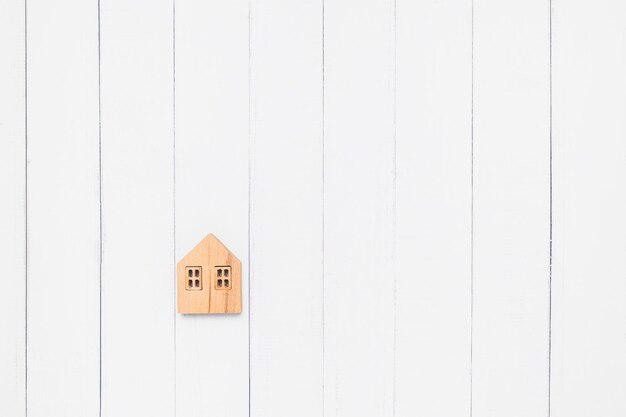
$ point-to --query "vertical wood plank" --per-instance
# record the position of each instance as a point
(511, 208)
(589, 227)
(286, 218)
(12, 210)
(138, 285)
(359, 208)
(434, 208)
(63, 209)
(212, 195)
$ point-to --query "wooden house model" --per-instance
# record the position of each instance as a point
(209, 279)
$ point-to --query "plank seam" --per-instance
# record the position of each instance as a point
(323, 208)
(25, 208)
(394, 206)
(471, 370)
(550, 232)
(174, 187)
(250, 157)
(100, 249)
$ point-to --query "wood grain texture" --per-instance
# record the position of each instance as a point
(214, 296)
(63, 209)
(12, 210)
(589, 226)
(286, 346)
(212, 190)
(138, 302)
(434, 78)
(511, 159)
(359, 204)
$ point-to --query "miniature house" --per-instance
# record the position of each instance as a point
(209, 279)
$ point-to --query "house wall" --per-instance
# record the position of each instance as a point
(427, 198)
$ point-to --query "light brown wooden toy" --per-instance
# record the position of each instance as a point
(209, 279)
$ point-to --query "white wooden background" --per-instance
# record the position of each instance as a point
(428, 198)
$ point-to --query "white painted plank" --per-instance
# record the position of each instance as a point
(511, 208)
(589, 239)
(12, 210)
(63, 209)
(212, 195)
(359, 208)
(138, 285)
(433, 208)
(286, 215)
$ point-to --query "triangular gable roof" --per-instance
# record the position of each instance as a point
(219, 274)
